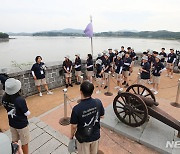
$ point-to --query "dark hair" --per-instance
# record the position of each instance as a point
(37, 57)
(163, 48)
(129, 48)
(89, 56)
(87, 88)
(122, 46)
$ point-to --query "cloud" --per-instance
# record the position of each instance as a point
(39, 15)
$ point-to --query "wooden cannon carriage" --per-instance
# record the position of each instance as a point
(134, 106)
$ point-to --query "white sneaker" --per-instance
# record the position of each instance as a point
(171, 77)
(156, 92)
(117, 87)
(149, 82)
(40, 94)
(98, 92)
(167, 75)
(49, 93)
(121, 89)
(144, 93)
(152, 89)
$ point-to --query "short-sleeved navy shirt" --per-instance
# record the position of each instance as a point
(16, 107)
(171, 57)
(156, 68)
(38, 70)
(78, 62)
(89, 62)
(111, 56)
(127, 61)
(146, 75)
(84, 113)
(106, 63)
(132, 55)
(164, 56)
(118, 65)
(67, 64)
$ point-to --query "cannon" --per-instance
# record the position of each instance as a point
(137, 104)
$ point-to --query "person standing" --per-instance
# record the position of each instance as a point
(78, 69)
(157, 68)
(111, 59)
(133, 58)
(67, 66)
(99, 75)
(126, 68)
(145, 70)
(164, 55)
(90, 67)
(106, 69)
(85, 115)
(171, 58)
(118, 70)
(17, 111)
(38, 72)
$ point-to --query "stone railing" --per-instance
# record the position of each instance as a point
(54, 76)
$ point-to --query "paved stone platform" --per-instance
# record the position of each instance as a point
(153, 134)
(44, 139)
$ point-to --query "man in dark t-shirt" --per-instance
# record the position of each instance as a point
(163, 54)
(87, 113)
(145, 70)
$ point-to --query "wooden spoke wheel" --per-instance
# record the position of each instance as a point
(130, 109)
(139, 89)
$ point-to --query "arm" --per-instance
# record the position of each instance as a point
(73, 130)
(33, 74)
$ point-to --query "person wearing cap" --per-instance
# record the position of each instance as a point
(171, 58)
(67, 66)
(126, 68)
(78, 69)
(163, 54)
(157, 69)
(106, 68)
(145, 70)
(17, 111)
(38, 72)
(99, 56)
(99, 74)
(118, 70)
(90, 68)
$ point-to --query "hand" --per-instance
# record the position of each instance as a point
(35, 78)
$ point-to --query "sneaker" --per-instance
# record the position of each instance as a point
(105, 87)
(66, 85)
(156, 92)
(70, 85)
(167, 75)
(149, 82)
(171, 77)
(152, 89)
(98, 92)
(124, 83)
(49, 93)
(144, 93)
(120, 89)
(40, 94)
(117, 87)
(78, 83)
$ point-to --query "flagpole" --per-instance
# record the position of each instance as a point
(91, 39)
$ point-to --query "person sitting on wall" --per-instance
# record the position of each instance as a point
(78, 69)
(67, 65)
(38, 72)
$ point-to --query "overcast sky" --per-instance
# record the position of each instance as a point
(108, 15)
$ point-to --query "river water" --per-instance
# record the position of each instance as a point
(24, 49)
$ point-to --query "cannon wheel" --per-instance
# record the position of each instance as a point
(139, 89)
(130, 109)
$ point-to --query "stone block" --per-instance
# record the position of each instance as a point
(57, 135)
(41, 124)
(38, 142)
(35, 133)
(32, 126)
(62, 149)
(34, 120)
(176, 149)
(48, 147)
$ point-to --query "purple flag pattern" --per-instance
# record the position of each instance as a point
(89, 30)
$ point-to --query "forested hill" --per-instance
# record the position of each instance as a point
(163, 34)
(4, 36)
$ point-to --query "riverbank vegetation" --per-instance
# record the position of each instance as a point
(4, 36)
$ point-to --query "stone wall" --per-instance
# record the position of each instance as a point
(54, 75)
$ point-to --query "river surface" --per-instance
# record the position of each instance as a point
(24, 49)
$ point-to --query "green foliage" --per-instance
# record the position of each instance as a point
(4, 35)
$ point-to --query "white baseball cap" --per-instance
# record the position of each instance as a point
(12, 86)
